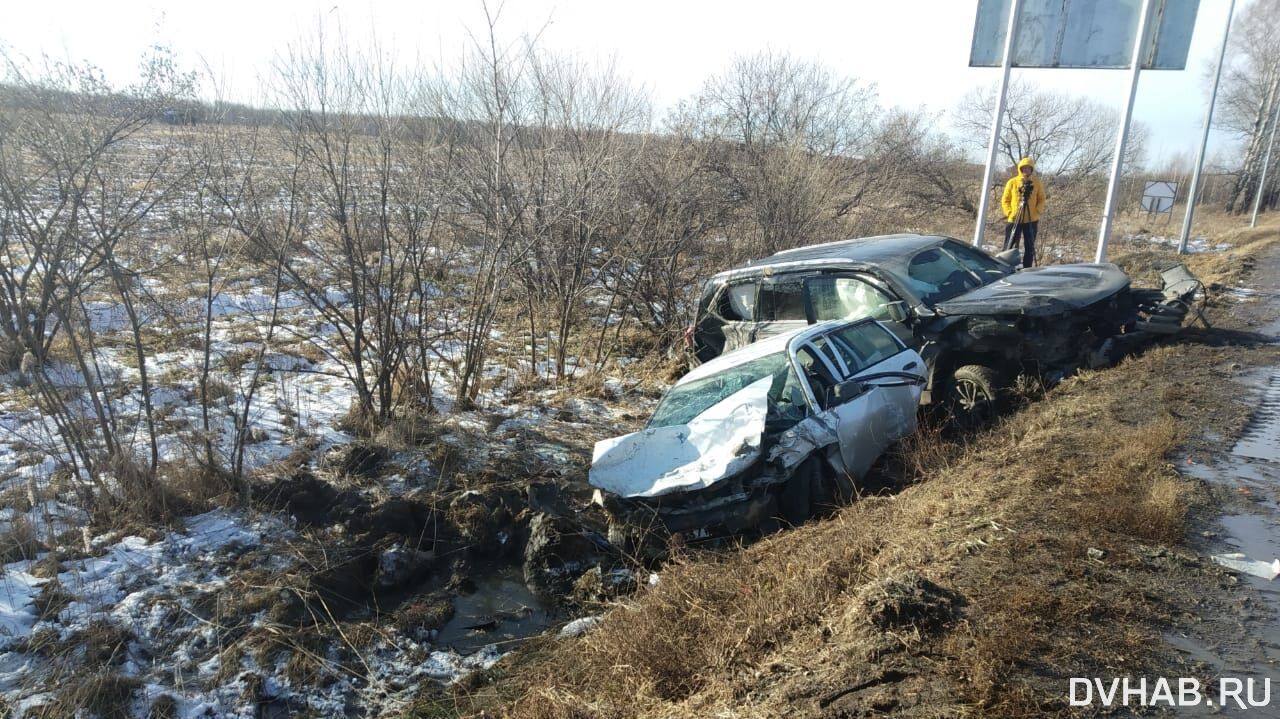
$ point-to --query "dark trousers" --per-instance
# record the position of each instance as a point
(1027, 231)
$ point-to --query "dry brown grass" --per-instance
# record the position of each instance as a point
(1135, 489)
(407, 431)
(105, 694)
(1227, 268)
(18, 541)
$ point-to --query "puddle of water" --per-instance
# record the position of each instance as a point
(501, 611)
(1261, 439)
(1258, 481)
(1254, 534)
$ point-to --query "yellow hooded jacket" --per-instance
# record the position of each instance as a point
(1012, 198)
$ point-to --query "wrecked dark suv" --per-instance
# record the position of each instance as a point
(975, 320)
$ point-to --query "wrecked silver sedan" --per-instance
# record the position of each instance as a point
(771, 431)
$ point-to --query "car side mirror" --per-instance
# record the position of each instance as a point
(1011, 257)
(897, 311)
(846, 391)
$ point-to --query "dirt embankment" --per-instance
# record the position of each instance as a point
(1054, 545)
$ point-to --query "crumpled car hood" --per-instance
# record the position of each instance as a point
(1041, 291)
(717, 444)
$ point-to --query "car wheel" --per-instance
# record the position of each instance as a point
(794, 502)
(974, 396)
(826, 493)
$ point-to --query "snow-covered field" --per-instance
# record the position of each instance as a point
(159, 621)
(153, 591)
(1195, 245)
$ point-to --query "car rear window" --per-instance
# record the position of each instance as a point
(738, 303)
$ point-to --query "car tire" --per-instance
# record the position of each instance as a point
(974, 396)
(826, 493)
(795, 496)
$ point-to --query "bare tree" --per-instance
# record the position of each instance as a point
(484, 105)
(1069, 137)
(572, 161)
(681, 204)
(923, 169)
(81, 175)
(788, 135)
(1249, 97)
(346, 131)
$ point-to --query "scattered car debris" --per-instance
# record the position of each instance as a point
(578, 627)
(772, 430)
(1238, 562)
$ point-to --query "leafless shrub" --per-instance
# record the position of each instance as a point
(787, 135)
(19, 541)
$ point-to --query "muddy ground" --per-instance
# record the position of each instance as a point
(1073, 539)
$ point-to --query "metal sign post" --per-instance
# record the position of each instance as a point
(996, 121)
(1109, 207)
(1204, 139)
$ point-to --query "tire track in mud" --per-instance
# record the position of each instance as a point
(1246, 644)
(1261, 438)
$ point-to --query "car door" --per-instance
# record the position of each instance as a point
(733, 317)
(884, 409)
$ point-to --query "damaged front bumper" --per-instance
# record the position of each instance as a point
(730, 506)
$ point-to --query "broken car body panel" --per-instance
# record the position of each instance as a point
(1041, 291)
(718, 443)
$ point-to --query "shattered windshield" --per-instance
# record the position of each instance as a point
(684, 402)
(935, 276)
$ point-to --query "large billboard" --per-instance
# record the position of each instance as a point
(1084, 33)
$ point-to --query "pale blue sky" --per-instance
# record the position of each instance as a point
(915, 52)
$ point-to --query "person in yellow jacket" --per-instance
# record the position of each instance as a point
(1023, 201)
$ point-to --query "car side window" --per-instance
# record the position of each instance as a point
(786, 397)
(864, 345)
(738, 302)
(782, 301)
(818, 370)
(846, 298)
